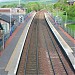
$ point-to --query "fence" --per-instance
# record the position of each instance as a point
(60, 22)
(68, 30)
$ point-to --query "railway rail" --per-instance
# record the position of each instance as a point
(31, 65)
(42, 54)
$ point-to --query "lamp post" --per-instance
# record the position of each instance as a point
(19, 2)
(19, 10)
(56, 17)
(53, 6)
(66, 20)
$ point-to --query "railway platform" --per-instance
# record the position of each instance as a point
(69, 44)
(10, 48)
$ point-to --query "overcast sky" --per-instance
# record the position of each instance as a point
(3, 0)
(26, 0)
(7, 0)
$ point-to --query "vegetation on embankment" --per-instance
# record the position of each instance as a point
(64, 7)
(30, 6)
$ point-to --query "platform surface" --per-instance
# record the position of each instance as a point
(6, 54)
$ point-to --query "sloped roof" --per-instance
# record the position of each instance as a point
(6, 18)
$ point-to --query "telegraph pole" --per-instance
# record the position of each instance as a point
(19, 10)
(19, 3)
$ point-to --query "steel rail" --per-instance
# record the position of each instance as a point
(37, 47)
(27, 52)
(48, 53)
(57, 51)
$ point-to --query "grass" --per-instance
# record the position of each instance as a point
(71, 30)
(60, 14)
(71, 26)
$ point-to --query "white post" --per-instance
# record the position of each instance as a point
(19, 2)
(19, 11)
(24, 14)
(24, 11)
(66, 20)
(19, 15)
(53, 7)
(57, 12)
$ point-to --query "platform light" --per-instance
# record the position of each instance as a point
(65, 20)
(19, 3)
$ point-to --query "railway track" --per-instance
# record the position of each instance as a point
(31, 65)
(42, 54)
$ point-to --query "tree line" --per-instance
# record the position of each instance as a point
(64, 6)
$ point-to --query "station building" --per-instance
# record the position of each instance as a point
(71, 2)
(5, 22)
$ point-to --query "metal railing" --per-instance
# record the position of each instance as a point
(70, 31)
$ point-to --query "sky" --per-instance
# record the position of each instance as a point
(20, 0)
(7, 0)
(26, 0)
